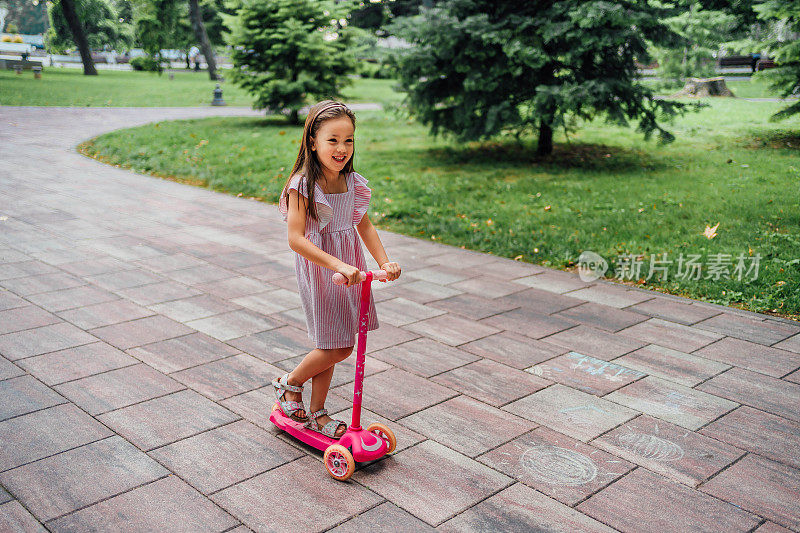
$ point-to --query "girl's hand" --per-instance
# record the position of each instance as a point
(392, 270)
(351, 273)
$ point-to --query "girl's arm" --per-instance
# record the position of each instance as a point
(296, 219)
(373, 243)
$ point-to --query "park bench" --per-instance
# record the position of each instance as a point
(742, 61)
(18, 56)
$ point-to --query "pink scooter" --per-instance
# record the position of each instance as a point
(357, 443)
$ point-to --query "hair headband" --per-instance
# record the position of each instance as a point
(329, 106)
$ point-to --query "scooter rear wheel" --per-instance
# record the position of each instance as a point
(339, 462)
(384, 433)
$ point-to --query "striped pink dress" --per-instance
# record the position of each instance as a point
(332, 310)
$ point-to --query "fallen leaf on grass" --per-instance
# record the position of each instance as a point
(710, 232)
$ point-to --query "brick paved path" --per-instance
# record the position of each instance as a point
(141, 322)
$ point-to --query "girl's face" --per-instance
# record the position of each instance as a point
(334, 145)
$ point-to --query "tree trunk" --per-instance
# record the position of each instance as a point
(545, 144)
(196, 15)
(294, 116)
(79, 36)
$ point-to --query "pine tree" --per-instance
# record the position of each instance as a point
(784, 48)
(286, 51)
(482, 67)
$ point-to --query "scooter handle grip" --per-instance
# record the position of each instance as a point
(376, 274)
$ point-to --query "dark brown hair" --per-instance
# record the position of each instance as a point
(307, 163)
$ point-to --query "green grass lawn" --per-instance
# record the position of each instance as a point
(604, 190)
(115, 88)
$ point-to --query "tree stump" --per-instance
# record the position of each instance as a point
(697, 87)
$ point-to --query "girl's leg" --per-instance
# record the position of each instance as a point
(313, 366)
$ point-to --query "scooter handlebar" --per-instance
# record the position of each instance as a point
(339, 279)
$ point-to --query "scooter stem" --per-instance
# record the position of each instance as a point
(363, 321)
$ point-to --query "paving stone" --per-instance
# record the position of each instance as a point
(432, 482)
(442, 275)
(684, 406)
(42, 283)
(752, 356)
(125, 279)
(749, 329)
(388, 335)
(194, 307)
(9, 369)
(400, 312)
(672, 311)
(234, 260)
(466, 425)
(396, 393)
(93, 267)
(771, 527)
(200, 274)
(9, 300)
(594, 342)
(792, 343)
(221, 457)
(141, 332)
(227, 377)
(760, 486)
(165, 505)
(268, 271)
(79, 477)
(182, 352)
(270, 302)
(672, 451)
(424, 357)
(12, 256)
(601, 316)
(75, 363)
(235, 287)
(556, 465)
(385, 513)
(586, 373)
(256, 405)
(451, 329)
(25, 394)
(643, 501)
(461, 259)
(513, 349)
(527, 322)
(15, 518)
(672, 365)
(611, 294)
(472, 306)
(22, 318)
(488, 287)
(165, 263)
(540, 301)
(126, 248)
(319, 501)
(111, 390)
(756, 431)
(158, 292)
(559, 282)
(233, 324)
(794, 377)
(9, 273)
(105, 314)
(275, 344)
(491, 382)
(423, 292)
(775, 396)
(166, 419)
(519, 508)
(49, 431)
(36, 341)
(70, 298)
(571, 412)
(670, 335)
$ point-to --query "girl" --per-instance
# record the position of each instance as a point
(324, 201)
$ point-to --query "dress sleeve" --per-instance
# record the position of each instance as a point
(362, 197)
(299, 183)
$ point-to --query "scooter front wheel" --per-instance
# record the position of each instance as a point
(339, 462)
(383, 432)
